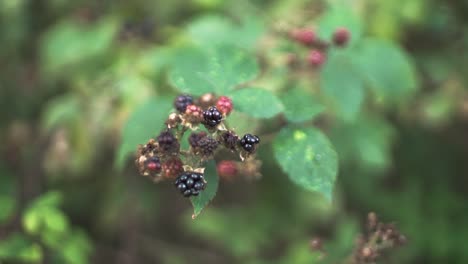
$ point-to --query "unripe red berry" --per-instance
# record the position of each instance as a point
(316, 58)
(154, 166)
(224, 105)
(304, 36)
(227, 169)
(193, 114)
(172, 168)
(341, 36)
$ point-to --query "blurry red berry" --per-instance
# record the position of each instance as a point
(341, 36)
(316, 58)
(224, 105)
(304, 36)
(193, 114)
(154, 166)
(227, 169)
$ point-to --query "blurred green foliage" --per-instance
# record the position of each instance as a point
(381, 126)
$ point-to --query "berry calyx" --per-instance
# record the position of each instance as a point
(304, 36)
(224, 104)
(227, 169)
(316, 58)
(248, 142)
(341, 36)
(182, 101)
(190, 183)
(212, 116)
(172, 167)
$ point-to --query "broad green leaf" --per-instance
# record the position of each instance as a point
(300, 106)
(218, 69)
(367, 141)
(18, 249)
(60, 111)
(145, 122)
(387, 68)
(201, 201)
(308, 157)
(69, 43)
(7, 207)
(336, 16)
(342, 84)
(256, 102)
(216, 30)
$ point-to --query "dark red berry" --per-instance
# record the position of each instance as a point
(227, 169)
(229, 139)
(182, 101)
(195, 138)
(207, 146)
(212, 116)
(304, 36)
(316, 58)
(190, 183)
(167, 142)
(224, 104)
(341, 36)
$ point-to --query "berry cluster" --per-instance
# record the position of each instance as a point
(316, 48)
(162, 157)
(190, 183)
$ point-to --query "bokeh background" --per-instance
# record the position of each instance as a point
(75, 81)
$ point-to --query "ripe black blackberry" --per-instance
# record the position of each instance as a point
(207, 146)
(229, 140)
(248, 142)
(167, 142)
(182, 101)
(190, 183)
(212, 116)
(195, 138)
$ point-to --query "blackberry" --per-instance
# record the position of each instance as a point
(248, 142)
(193, 114)
(190, 183)
(153, 165)
(167, 142)
(207, 146)
(229, 140)
(212, 116)
(195, 138)
(182, 101)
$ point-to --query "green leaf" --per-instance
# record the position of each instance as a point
(7, 207)
(216, 30)
(308, 157)
(340, 15)
(256, 102)
(69, 43)
(218, 70)
(19, 248)
(145, 122)
(201, 201)
(60, 111)
(300, 106)
(342, 84)
(367, 141)
(387, 68)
